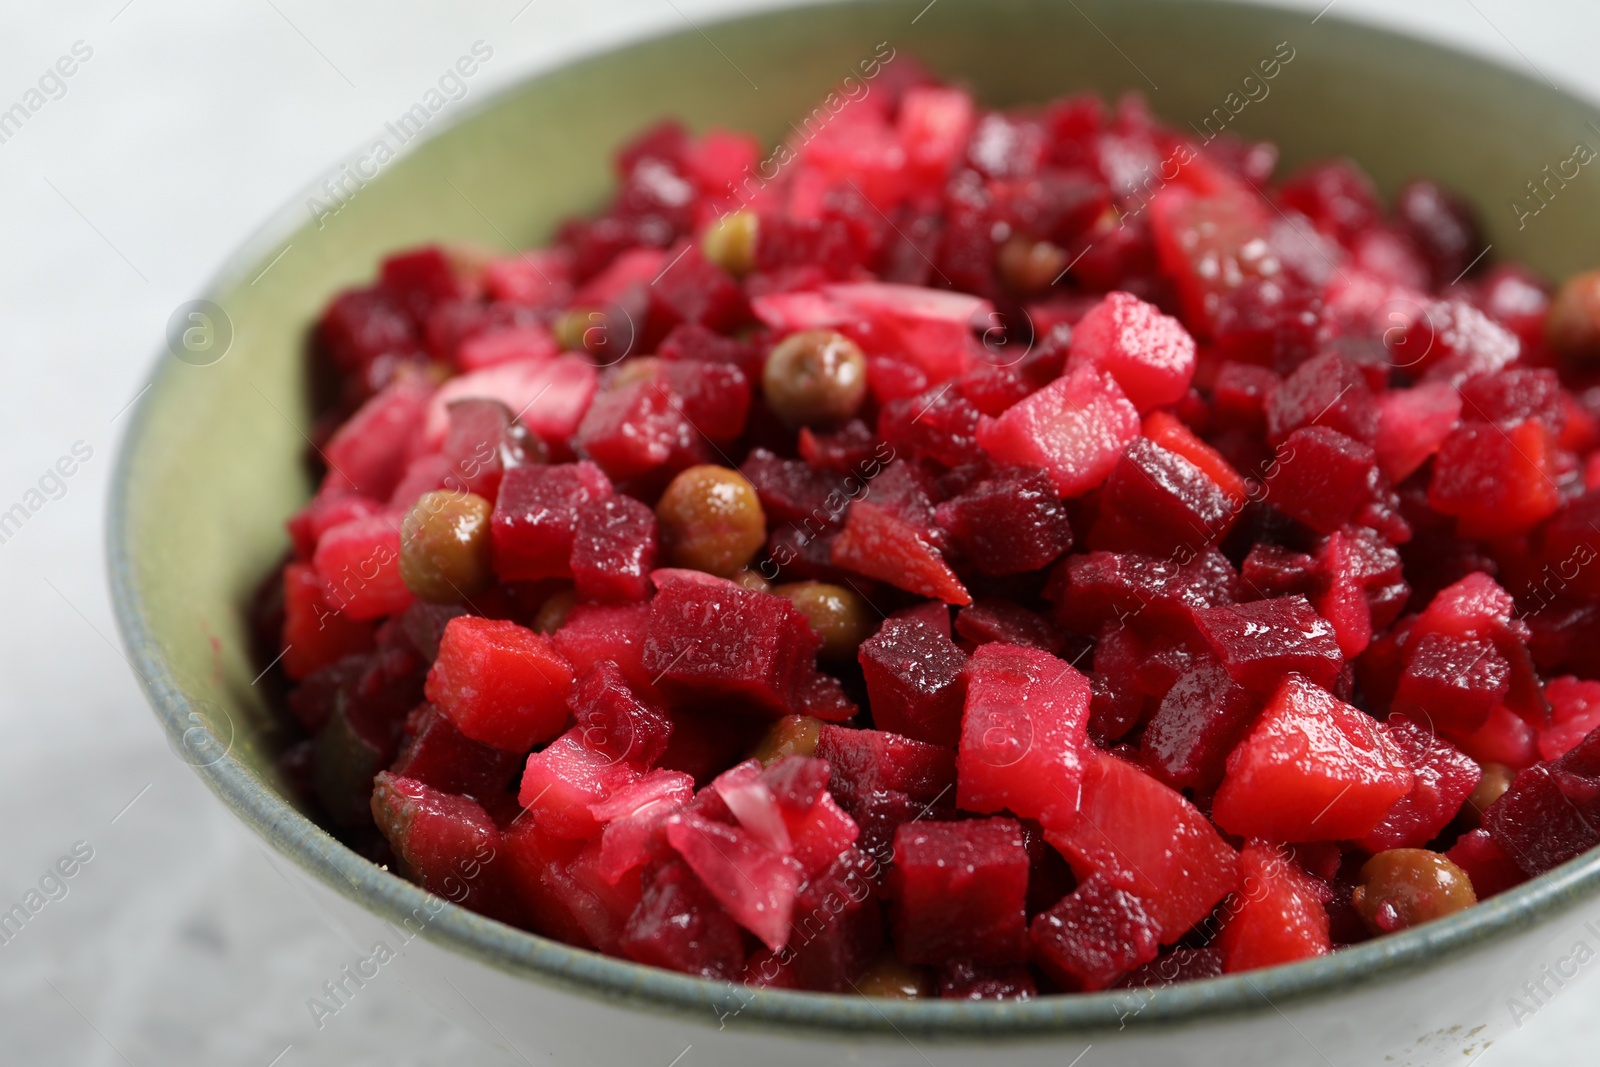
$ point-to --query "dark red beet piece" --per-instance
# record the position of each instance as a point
(1451, 684)
(678, 925)
(1261, 642)
(1008, 524)
(1201, 718)
(1156, 501)
(438, 755)
(883, 780)
(1442, 227)
(837, 925)
(613, 549)
(1094, 936)
(1321, 477)
(959, 889)
(994, 619)
(965, 980)
(1551, 813)
(1178, 965)
(1445, 777)
(914, 682)
(536, 514)
(720, 643)
(1149, 593)
(612, 720)
(1325, 391)
(448, 843)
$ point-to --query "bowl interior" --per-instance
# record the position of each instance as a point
(215, 456)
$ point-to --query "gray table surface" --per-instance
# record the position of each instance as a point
(178, 943)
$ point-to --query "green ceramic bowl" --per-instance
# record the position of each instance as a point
(212, 465)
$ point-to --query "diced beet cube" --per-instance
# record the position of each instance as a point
(482, 442)
(1024, 734)
(1280, 919)
(1008, 524)
(315, 634)
(1201, 718)
(1320, 477)
(1168, 431)
(1095, 935)
(1313, 768)
(534, 518)
(1010, 623)
(612, 720)
(680, 926)
(723, 644)
(371, 448)
(529, 853)
(1574, 714)
(329, 508)
(1139, 835)
(419, 279)
(359, 564)
(613, 549)
(1272, 571)
(1511, 396)
(440, 756)
(838, 927)
(1412, 424)
(1117, 700)
(754, 883)
(614, 632)
(690, 288)
(1156, 500)
(1489, 868)
(602, 906)
(1074, 428)
(959, 892)
(1336, 195)
(500, 683)
(1445, 777)
(1495, 482)
(562, 781)
(1178, 965)
(821, 833)
(939, 424)
(1149, 593)
(1325, 391)
(1476, 606)
(965, 980)
(883, 780)
(1210, 245)
(877, 544)
(636, 427)
(1150, 354)
(914, 682)
(1262, 641)
(448, 843)
(361, 325)
(1551, 813)
(793, 491)
(1451, 684)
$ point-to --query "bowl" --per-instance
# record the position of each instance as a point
(213, 464)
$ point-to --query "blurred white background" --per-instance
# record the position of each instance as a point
(178, 943)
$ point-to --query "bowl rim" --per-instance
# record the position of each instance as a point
(535, 958)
